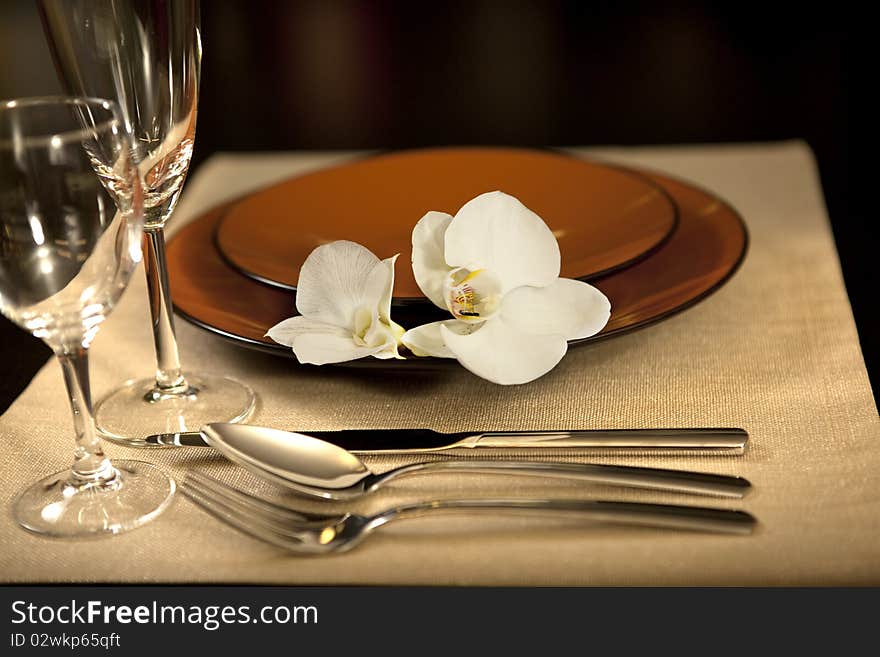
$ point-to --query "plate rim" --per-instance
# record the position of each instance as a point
(422, 300)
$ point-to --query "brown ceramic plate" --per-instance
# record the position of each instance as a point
(604, 217)
(699, 257)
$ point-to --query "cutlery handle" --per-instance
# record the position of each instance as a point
(732, 440)
(665, 516)
(416, 441)
(678, 481)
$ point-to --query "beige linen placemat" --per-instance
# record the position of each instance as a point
(774, 351)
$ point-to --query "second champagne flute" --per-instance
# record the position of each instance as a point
(147, 54)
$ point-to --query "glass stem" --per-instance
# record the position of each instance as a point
(89, 465)
(169, 377)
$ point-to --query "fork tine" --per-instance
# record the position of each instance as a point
(237, 519)
(284, 525)
(250, 502)
(280, 520)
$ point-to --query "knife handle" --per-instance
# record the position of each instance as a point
(731, 440)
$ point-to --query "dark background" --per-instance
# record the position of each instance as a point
(330, 74)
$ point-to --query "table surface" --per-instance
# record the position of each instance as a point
(774, 351)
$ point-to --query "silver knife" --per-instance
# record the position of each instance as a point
(730, 441)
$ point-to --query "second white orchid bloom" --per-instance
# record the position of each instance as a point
(344, 299)
(495, 267)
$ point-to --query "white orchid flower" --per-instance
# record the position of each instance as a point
(495, 267)
(344, 299)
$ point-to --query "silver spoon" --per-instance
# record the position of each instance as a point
(317, 468)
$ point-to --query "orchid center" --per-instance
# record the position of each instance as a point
(367, 329)
(370, 330)
(472, 295)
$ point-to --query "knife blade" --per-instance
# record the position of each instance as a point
(731, 441)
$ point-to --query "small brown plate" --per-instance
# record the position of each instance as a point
(603, 217)
(699, 257)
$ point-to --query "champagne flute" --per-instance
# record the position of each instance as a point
(146, 54)
(71, 218)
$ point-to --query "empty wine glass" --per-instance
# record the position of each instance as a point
(71, 217)
(146, 54)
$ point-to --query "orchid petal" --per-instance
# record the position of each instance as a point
(495, 231)
(503, 354)
(335, 281)
(382, 277)
(322, 349)
(566, 307)
(426, 340)
(286, 331)
(428, 260)
(318, 343)
(372, 321)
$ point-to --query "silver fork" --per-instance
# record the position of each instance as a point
(322, 534)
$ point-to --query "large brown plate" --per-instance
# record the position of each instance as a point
(701, 255)
(604, 217)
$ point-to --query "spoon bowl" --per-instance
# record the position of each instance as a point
(291, 458)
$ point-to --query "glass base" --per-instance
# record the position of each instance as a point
(58, 506)
(128, 415)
